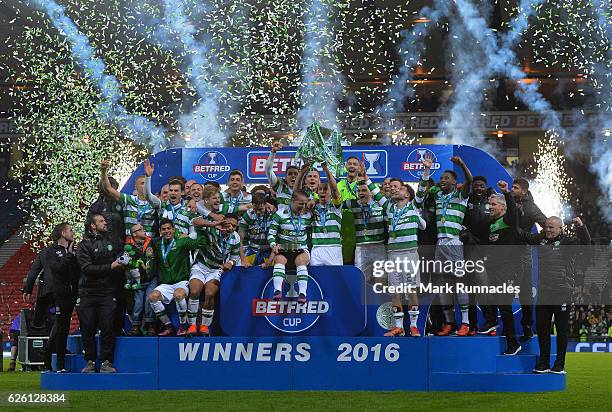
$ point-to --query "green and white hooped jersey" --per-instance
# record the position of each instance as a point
(183, 221)
(242, 199)
(288, 230)
(369, 221)
(450, 212)
(136, 211)
(283, 193)
(256, 229)
(326, 225)
(219, 248)
(403, 222)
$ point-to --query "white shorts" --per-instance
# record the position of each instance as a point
(167, 291)
(366, 255)
(450, 249)
(204, 274)
(326, 256)
(409, 276)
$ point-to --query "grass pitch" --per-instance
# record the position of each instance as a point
(589, 387)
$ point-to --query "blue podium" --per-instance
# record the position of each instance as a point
(334, 343)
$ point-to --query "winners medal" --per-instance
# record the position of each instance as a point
(443, 220)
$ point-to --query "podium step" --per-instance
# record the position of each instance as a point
(98, 381)
(495, 382)
(515, 364)
(72, 362)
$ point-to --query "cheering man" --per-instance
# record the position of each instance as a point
(282, 187)
(287, 238)
(327, 217)
(253, 230)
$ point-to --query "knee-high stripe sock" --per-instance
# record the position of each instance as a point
(414, 315)
(207, 316)
(465, 318)
(181, 307)
(278, 276)
(192, 310)
(398, 316)
(160, 312)
(302, 279)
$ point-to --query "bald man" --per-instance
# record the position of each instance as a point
(556, 261)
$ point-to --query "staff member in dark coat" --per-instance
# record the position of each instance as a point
(44, 297)
(61, 258)
(501, 263)
(528, 214)
(97, 302)
(556, 257)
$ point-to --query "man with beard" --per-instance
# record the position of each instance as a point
(110, 209)
(529, 214)
(556, 261)
(348, 191)
(501, 259)
(101, 272)
(282, 187)
(477, 221)
(288, 239)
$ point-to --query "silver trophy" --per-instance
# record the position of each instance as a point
(371, 159)
(211, 158)
(421, 153)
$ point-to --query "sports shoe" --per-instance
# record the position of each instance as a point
(541, 368)
(446, 330)
(492, 333)
(395, 332)
(414, 332)
(62, 371)
(182, 331)
(89, 368)
(513, 350)
(192, 330)
(558, 369)
(301, 299)
(204, 330)
(107, 367)
(463, 330)
(167, 330)
(135, 331)
(278, 295)
(487, 328)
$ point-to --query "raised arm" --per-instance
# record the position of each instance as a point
(299, 181)
(333, 185)
(108, 188)
(201, 222)
(419, 197)
(511, 216)
(272, 178)
(467, 184)
(153, 200)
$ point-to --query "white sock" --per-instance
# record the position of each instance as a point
(181, 307)
(465, 316)
(398, 316)
(192, 310)
(160, 312)
(207, 316)
(414, 315)
(302, 279)
(278, 276)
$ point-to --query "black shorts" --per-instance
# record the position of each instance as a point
(290, 255)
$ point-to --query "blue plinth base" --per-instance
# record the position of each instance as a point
(312, 363)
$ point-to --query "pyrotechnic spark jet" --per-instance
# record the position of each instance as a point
(549, 187)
